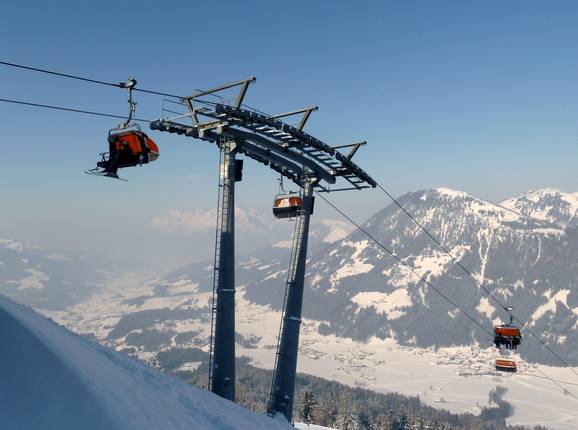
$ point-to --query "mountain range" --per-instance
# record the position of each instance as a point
(523, 250)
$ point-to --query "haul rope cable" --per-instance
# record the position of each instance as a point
(20, 102)
(470, 274)
(429, 284)
(96, 81)
(112, 84)
(81, 78)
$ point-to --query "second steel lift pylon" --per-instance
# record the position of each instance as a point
(222, 353)
(298, 156)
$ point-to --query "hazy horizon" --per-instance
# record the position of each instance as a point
(476, 97)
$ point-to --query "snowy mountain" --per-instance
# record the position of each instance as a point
(356, 290)
(254, 230)
(54, 280)
(547, 204)
(53, 379)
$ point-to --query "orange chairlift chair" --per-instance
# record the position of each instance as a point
(128, 145)
(286, 204)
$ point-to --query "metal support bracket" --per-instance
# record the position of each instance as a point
(354, 147)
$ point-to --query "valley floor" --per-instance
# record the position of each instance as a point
(456, 379)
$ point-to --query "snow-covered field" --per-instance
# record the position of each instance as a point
(457, 379)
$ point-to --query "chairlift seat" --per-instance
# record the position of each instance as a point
(133, 147)
(505, 365)
(127, 148)
(507, 335)
(287, 205)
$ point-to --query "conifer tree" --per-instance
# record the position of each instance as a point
(307, 410)
(346, 419)
(382, 423)
(331, 409)
(403, 422)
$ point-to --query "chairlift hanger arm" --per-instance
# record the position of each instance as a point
(129, 85)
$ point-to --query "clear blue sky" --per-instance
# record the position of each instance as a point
(477, 96)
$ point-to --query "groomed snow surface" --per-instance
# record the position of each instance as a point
(52, 379)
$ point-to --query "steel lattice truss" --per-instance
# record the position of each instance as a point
(265, 138)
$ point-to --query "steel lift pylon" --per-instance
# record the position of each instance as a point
(311, 164)
(283, 386)
(222, 353)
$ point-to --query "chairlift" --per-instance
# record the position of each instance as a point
(507, 335)
(128, 145)
(506, 365)
(286, 204)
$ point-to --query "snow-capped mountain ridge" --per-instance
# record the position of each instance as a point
(546, 204)
(359, 292)
(355, 290)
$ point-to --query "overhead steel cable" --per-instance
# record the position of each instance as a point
(549, 379)
(471, 275)
(545, 376)
(60, 108)
(85, 79)
(113, 84)
(544, 344)
(64, 75)
(438, 243)
(429, 284)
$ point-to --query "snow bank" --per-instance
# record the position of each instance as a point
(52, 379)
(303, 426)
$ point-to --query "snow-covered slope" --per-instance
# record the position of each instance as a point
(51, 379)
